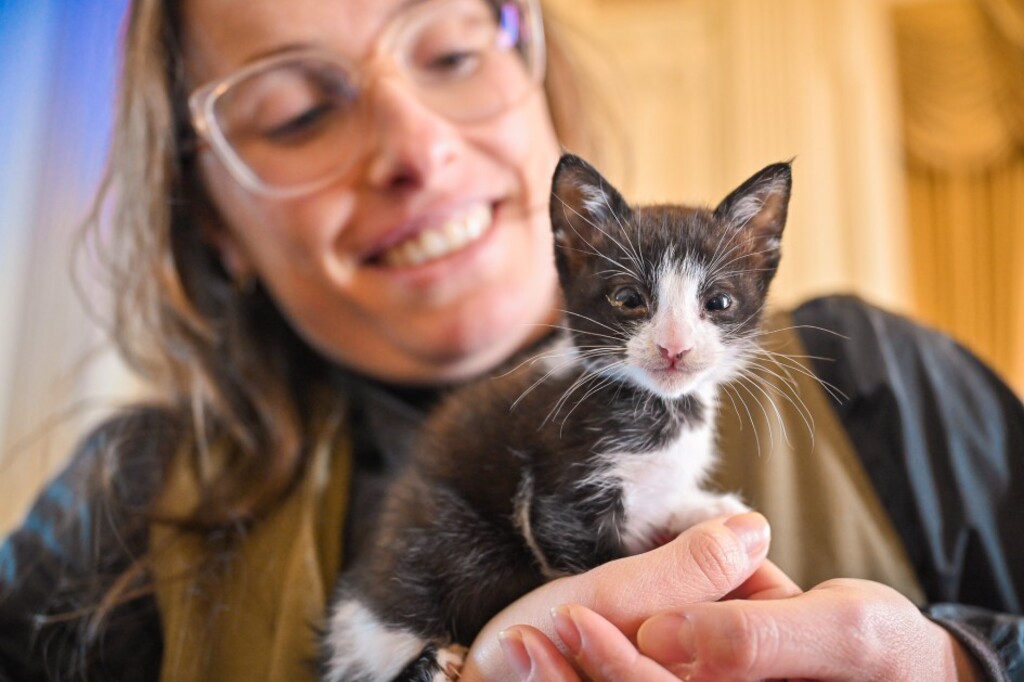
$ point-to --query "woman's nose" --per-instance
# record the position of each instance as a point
(410, 143)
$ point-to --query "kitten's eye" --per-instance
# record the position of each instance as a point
(718, 302)
(628, 298)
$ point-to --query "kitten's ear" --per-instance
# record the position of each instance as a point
(759, 207)
(585, 208)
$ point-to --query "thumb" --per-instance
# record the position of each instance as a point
(704, 563)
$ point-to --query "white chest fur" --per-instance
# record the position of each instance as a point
(662, 491)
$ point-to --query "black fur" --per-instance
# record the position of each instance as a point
(450, 549)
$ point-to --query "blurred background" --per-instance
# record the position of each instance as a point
(905, 119)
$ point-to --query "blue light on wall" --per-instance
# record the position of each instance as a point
(58, 71)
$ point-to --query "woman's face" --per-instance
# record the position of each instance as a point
(333, 259)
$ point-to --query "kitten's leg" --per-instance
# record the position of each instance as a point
(702, 505)
(435, 665)
(358, 647)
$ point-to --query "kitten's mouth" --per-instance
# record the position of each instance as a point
(675, 381)
(435, 242)
(675, 369)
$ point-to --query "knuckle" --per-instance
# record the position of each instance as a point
(620, 669)
(744, 647)
(866, 624)
(719, 560)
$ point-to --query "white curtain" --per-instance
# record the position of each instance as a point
(57, 64)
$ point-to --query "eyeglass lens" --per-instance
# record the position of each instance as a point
(296, 121)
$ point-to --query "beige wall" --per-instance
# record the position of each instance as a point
(708, 91)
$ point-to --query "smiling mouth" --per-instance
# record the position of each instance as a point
(438, 241)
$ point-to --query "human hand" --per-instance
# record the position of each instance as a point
(603, 652)
(840, 630)
(704, 563)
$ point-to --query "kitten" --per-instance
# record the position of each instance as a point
(596, 449)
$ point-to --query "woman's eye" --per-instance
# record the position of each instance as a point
(718, 302)
(300, 125)
(628, 298)
(455, 63)
(452, 46)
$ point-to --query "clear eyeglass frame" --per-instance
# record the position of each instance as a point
(203, 101)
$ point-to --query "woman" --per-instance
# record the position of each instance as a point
(322, 217)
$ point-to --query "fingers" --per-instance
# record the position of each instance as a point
(767, 582)
(840, 630)
(602, 652)
(702, 564)
(743, 640)
(532, 656)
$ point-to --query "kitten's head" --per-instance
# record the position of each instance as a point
(667, 297)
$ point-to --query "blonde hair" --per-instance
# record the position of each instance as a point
(225, 359)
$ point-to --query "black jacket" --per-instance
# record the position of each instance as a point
(940, 436)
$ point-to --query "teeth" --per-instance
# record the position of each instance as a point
(441, 240)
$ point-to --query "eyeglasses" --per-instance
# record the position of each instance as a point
(292, 123)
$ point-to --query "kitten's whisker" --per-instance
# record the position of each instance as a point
(630, 254)
(799, 406)
(795, 365)
(816, 328)
(741, 257)
(717, 277)
(767, 388)
(584, 378)
(581, 316)
(610, 272)
(742, 325)
(618, 337)
(590, 392)
(719, 262)
(632, 251)
(735, 409)
(734, 386)
(530, 389)
(745, 385)
(577, 385)
(573, 358)
(786, 380)
(749, 385)
(594, 249)
(715, 265)
(640, 242)
(539, 357)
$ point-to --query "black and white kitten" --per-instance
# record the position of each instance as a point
(595, 449)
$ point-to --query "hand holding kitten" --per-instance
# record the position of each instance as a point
(765, 629)
(705, 563)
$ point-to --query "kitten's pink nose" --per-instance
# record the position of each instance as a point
(673, 353)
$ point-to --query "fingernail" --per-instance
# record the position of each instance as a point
(667, 639)
(566, 628)
(753, 531)
(515, 653)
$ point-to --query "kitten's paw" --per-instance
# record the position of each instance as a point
(435, 664)
(450, 660)
(709, 507)
(726, 505)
